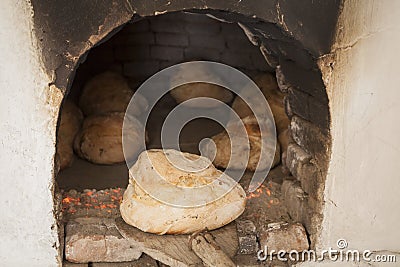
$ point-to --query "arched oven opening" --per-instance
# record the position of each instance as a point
(285, 209)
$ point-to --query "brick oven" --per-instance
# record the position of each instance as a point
(313, 49)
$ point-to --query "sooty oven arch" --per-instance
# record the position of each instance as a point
(291, 36)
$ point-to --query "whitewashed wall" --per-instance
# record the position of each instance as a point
(28, 236)
(361, 195)
(362, 188)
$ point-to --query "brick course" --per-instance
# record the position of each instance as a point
(169, 39)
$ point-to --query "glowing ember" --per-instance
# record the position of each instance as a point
(70, 200)
(92, 202)
(268, 192)
(262, 190)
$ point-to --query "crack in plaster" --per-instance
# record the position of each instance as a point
(345, 47)
(327, 62)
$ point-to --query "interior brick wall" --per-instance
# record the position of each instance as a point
(146, 46)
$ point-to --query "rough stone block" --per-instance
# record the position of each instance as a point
(307, 97)
(247, 237)
(297, 160)
(319, 114)
(308, 107)
(303, 167)
(245, 227)
(314, 187)
(298, 103)
(309, 137)
(174, 54)
(248, 244)
(281, 79)
(283, 236)
(97, 240)
(302, 207)
(296, 200)
(172, 39)
(291, 50)
(304, 80)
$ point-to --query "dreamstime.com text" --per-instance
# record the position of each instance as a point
(339, 254)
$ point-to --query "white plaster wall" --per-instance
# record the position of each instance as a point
(363, 184)
(27, 137)
(362, 199)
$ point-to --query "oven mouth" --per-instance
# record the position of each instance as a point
(293, 190)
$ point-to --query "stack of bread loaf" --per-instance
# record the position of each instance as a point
(223, 143)
(98, 139)
(253, 149)
(104, 101)
(269, 88)
(190, 91)
(70, 122)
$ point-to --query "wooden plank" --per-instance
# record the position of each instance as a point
(174, 250)
(143, 261)
(209, 251)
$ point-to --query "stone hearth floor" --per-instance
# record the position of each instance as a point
(263, 206)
